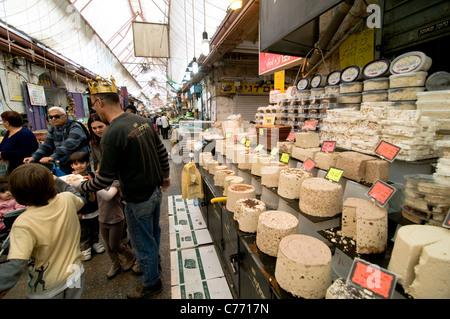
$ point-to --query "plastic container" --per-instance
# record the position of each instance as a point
(318, 81)
(375, 96)
(404, 94)
(381, 83)
(351, 73)
(303, 84)
(332, 89)
(414, 61)
(350, 98)
(317, 91)
(352, 87)
(438, 81)
(433, 95)
(377, 68)
(437, 105)
(334, 78)
(303, 93)
(273, 96)
(407, 79)
(404, 105)
(426, 184)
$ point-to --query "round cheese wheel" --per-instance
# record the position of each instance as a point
(238, 191)
(303, 266)
(220, 175)
(231, 180)
(290, 181)
(247, 213)
(320, 197)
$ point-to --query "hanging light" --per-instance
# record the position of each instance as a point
(236, 4)
(205, 41)
(187, 75)
(194, 66)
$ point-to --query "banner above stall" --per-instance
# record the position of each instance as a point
(270, 63)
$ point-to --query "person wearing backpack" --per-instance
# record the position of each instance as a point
(66, 137)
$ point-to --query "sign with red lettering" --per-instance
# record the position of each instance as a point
(387, 151)
(328, 146)
(372, 277)
(309, 164)
(291, 137)
(270, 63)
(381, 192)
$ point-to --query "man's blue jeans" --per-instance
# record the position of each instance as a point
(145, 232)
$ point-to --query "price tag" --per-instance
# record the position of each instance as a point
(284, 158)
(387, 151)
(235, 138)
(247, 143)
(261, 131)
(274, 151)
(259, 147)
(334, 174)
(381, 192)
(372, 277)
(207, 130)
(310, 125)
(269, 120)
(291, 137)
(446, 222)
(243, 140)
(308, 165)
(228, 135)
(328, 146)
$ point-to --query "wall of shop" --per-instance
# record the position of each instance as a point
(14, 72)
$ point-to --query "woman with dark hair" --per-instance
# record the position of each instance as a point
(96, 129)
(18, 143)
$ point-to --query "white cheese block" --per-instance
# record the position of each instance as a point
(270, 173)
(285, 147)
(303, 266)
(376, 169)
(307, 139)
(238, 155)
(246, 160)
(231, 180)
(238, 191)
(290, 181)
(409, 245)
(341, 290)
(204, 156)
(217, 168)
(211, 165)
(259, 161)
(320, 197)
(303, 154)
(220, 175)
(349, 208)
(272, 227)
(247, 213)
(432, 273)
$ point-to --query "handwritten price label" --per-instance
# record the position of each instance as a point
(274, 151)
(284, 158)
(243, 140)
(381, 192)
(228, 135)
(372, 277)
(328, 146)
(291, 137)
(259, 147)
(308, 165)
(247, 143)
(268, 120)
(387, 150)
(310, 125)
(334, 174)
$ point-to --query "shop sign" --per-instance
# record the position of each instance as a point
(245, 88)
(37, 94)
(357, 49)
(270, 63)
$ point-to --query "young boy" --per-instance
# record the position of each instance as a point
(45, 238)
(88, 215)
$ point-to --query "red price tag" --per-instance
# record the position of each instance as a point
(387, 150)
(372, 277)
(381, 192)
(328, 146)
(309, 164)
(446, 222)
(310, 125)
(291, 137)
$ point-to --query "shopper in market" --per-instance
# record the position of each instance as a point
(165, 126)
(64, 138)
(132, 150)
(111, 217)
(45, 238)
(18, 143)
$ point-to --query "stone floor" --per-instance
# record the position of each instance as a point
(96, 285)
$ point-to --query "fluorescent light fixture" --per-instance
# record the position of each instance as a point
(205, 44)
(187, 74)
(194, 65)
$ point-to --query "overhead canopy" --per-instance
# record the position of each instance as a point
(98, 36)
